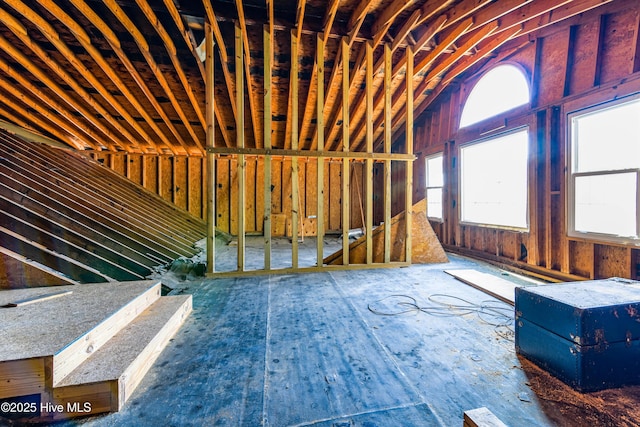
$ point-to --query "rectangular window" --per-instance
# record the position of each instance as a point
(435, 182)
(605, 169)
(493, 181)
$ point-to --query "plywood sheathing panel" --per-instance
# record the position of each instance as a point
(425, 245)
(16, 274)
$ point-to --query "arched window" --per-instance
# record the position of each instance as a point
(501, 89)
(494, 170)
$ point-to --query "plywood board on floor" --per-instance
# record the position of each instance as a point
(499, 288)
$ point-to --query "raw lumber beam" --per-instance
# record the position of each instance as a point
(114, 42)
(481, 417)
(425, 245)
(53, 36)
(499, 288)
(38, 298)
(44, 77)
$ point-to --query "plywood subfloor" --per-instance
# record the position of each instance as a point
(296, 350)
(44, 328)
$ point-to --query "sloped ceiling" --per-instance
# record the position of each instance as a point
(125, 75)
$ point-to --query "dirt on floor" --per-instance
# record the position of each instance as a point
(613, 407)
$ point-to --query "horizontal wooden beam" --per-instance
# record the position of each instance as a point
(314, 269)
(307, 153)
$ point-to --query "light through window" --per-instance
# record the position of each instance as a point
(501, 89)
(435, 182)
(605, 168)
(493, 181)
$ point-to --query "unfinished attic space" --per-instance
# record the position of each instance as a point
(320, 213)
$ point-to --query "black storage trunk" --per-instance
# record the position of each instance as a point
(585, 333)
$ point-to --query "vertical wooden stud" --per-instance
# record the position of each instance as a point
(387, 149)
(295, 197)
(346, 215)
(369, 140)
(211, 161)
(320, 138)
(267, 144)
(600, 49)
(240, 144)
(408, 193)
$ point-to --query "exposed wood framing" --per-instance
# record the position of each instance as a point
(131, 141)
(295, 197)
(240, 190)
(346, 214)
(408, 191)
(387, 149)
(369, 149)
(114, 42)
(192, 43)
(320, 147)
(211, 161)
(268, 56)
(52, 35)
(56, 106)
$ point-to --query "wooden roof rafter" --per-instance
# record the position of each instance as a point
(17, 120)
(189, 39)
(438, 69)
(114, 42)
(426, 36)
(294, 57)
(256, 120)
(396, 76)
(85, 41)
(358, 18)
(55, 105)
(172, 51)
(21, 58)
(52, 35)
(39, 121)
(224, 63)
(143, 47)
(311, 96)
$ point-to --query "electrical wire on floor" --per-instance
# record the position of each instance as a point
(493, 313)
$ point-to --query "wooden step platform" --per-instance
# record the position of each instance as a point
(83, 348)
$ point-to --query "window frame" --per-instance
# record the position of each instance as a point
(571, 177)
(428, 187)
(498, 121)
(525, 125)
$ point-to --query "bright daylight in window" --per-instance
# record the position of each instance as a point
(435, 182)
(493, 181)
(501, 89)
(605, 153)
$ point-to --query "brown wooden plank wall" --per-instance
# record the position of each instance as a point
(583, 61)
(178, 179)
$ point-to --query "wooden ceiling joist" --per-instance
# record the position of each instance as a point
(53, 36)
(114, 76)
(148, 96)
(154, 67)
(54, 105)
(40, 123)
(114, 42)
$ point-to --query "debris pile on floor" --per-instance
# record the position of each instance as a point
(183, 268)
